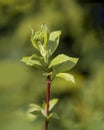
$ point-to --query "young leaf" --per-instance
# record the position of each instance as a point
(34, 41)
(62, 63)
(42, 50)
(36, 110)
(38, 38)
(30, 117)
(53, 42)
(45, 39)
(53, 115)
(34, 107)
(30, 62)
(43, 112)
(44, 105)
(66, 76)
(45, 30)
(35, 61)
(36, 113)
(52, 103)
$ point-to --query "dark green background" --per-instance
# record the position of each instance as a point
(81, 105)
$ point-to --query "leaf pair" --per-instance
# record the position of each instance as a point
(63, 63)
(36, 110)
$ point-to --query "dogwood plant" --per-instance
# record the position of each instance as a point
(45, 44)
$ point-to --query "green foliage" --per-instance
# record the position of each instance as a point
(36, 110)
(53, 42)
(28, 60)
(34, 60)
(46, 43)
(52, 103)
(39, 111)
(62, 63)
(66, 76)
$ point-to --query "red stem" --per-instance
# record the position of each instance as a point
(47, 99)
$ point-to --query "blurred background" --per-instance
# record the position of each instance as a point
(81, 105)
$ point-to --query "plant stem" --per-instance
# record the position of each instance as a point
(47, 99)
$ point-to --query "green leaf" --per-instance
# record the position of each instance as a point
(53, 115)
(36, 110)
(30, 62)
(34, 107)
(45, 30)
(52, 103)
(39, 39)
(42, 50)
(34, 60)
(43, 112)
(53, 42)
(30, 117)
(62, 63)
(33, 111)
(34, 41)
(66, 76)
(36, 113)
(44, 105)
